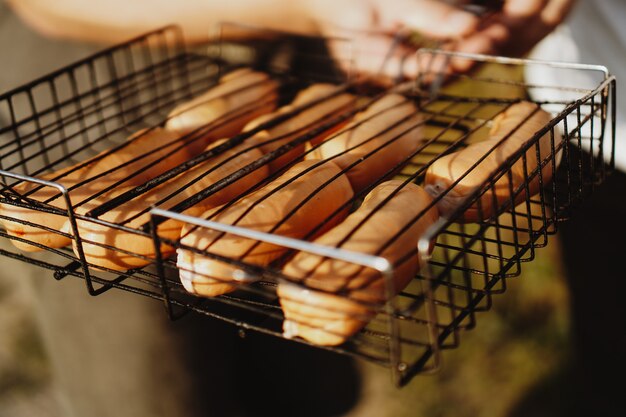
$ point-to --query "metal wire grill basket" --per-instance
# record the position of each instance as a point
(93, 105)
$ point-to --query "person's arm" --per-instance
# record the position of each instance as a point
(111, 21)
(371, 25)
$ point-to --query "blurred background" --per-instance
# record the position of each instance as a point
(516, 362)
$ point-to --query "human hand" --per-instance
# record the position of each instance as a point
(514, 30)
(369, 36)
(376, 31)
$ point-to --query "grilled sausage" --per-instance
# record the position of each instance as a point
(222, 111)
(292, 205)
(514, 127)
(302, 122)
(133, 250)
(392, 124)
(228, 106)
(335, 299)
(145, 155)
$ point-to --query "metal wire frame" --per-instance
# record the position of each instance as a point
(470, 262)
(380, 336)
(498, 245)
(486, 239)
(75, 112)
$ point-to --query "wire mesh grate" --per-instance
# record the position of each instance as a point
(88, 108)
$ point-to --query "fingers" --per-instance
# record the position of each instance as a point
(489, 40)
(523, 9)
(430, 17)
(555, 11)
(433, 67)
(547, 12)
(372, 25)
(518, 28)
(512, 31)
(375, 54)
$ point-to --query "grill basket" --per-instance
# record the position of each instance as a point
(95, 104)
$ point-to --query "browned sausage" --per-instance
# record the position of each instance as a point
(264, 210)
(143, 156)
(336, 298)
(302, 122)
(392, 123)
(222, 111)
(516, 126)
(134, 250)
